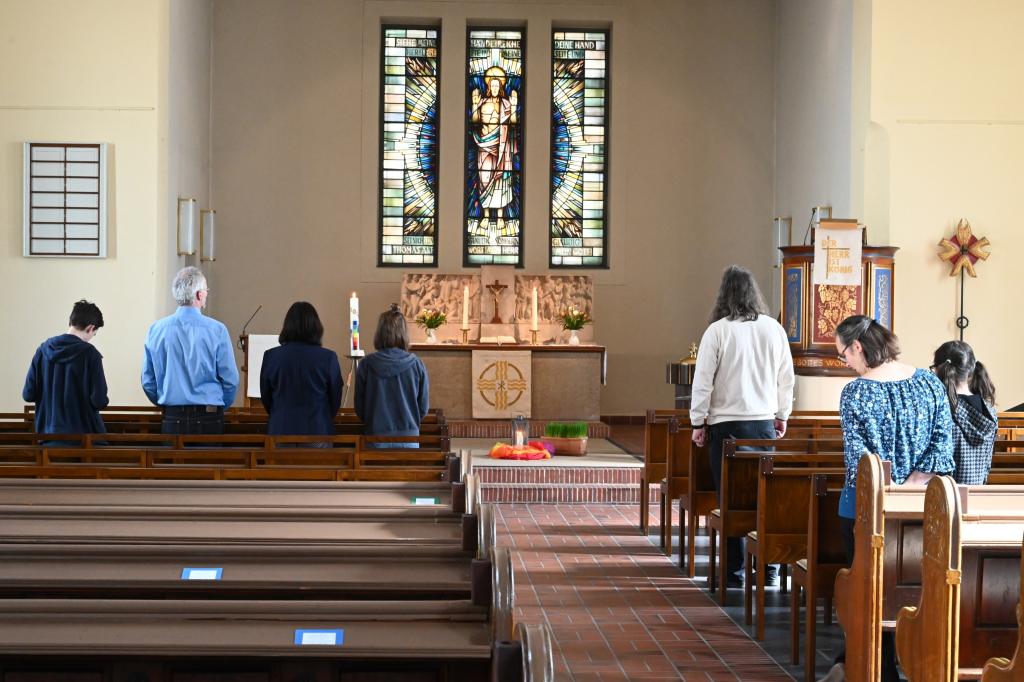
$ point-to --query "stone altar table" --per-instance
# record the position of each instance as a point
(566, 379)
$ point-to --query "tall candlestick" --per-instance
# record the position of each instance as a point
(353, 322)
(465, 307)
(533, 320)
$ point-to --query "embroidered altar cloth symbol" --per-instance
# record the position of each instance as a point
(502, 383)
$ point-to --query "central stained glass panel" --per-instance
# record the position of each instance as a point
(494, 147)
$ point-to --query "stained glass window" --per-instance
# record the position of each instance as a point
(410, 63)
(579, 111)
(494, 147)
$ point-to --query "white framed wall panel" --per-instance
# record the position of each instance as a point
(65, 200)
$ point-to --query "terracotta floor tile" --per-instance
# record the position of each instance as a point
(618, 608)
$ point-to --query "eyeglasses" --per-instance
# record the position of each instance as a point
(842, 354)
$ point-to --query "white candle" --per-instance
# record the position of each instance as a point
(353, 320)
(533, 320)
(465, 307)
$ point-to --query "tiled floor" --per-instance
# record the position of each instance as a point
(619, 609)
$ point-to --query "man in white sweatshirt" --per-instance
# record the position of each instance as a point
(742, 385)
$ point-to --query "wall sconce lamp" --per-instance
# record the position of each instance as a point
(188, 220)
(783, 225)
(207, 235)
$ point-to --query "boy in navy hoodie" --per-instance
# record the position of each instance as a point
(65, 379)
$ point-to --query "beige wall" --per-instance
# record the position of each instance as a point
(946, 93)
(82, 72)
(294, 173)
(935, 134)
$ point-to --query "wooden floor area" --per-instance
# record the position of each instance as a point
(618, 607)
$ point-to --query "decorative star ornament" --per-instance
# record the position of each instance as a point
(963, 249)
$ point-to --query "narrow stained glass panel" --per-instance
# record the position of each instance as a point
(579, 111)
(410, 64)
(494, 147)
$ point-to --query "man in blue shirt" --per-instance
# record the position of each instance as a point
(189, 368)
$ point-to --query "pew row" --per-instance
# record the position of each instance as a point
(656, 457)
(736, 514)
(780, 536)
(971, 554)
(266, 494)
(886, 571)
(315, 640)
(1000, 668)
(232, 457)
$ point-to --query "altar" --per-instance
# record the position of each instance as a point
(566, 380)
(502, 350)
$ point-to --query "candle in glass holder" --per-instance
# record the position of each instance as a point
(465, 308)
(533, 320)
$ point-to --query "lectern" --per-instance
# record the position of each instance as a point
(811, 313)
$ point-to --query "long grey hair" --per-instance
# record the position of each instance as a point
(739, 297)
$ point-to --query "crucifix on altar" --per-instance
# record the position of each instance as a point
(496, 290)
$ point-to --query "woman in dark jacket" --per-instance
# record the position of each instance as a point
(300, 383)
(392, 388)
(972, 402)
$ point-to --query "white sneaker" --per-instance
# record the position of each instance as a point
(836, 674)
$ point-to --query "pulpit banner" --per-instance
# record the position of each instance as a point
(837, 249)
(502, 383)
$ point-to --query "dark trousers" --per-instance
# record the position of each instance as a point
(193, 419)
(890, 673)
(717, 433)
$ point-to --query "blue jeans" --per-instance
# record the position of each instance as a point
(717, 433)
(193, 419)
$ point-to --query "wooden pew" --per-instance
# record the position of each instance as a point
(266, 494)
(1000, 668)
(656, 458)
(697, 500)
(970, 565)
(737, 513)
(886, 571)
(780, 535)
(816, 574)
(210, 640)
(684, 460)
(183, 526)
(228, 457)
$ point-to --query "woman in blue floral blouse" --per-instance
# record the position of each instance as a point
(896, 411)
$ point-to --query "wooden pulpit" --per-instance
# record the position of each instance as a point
(811, 313)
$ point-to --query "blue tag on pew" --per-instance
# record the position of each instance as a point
(201, 573)
(426, 500)
(319, 637)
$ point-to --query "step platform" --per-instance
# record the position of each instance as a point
(605, 475)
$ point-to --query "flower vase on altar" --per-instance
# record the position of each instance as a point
(430, 320)
(574, 320)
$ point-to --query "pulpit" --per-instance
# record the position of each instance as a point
(811, 313)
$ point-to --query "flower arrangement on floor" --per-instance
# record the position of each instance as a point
(430, 320)
(574, 320)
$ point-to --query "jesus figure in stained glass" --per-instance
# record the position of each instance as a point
(493, 116)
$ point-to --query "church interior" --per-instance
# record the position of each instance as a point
(548, 192)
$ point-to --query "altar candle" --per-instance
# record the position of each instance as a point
(533, 319)
(465, 307)
(353, 320)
